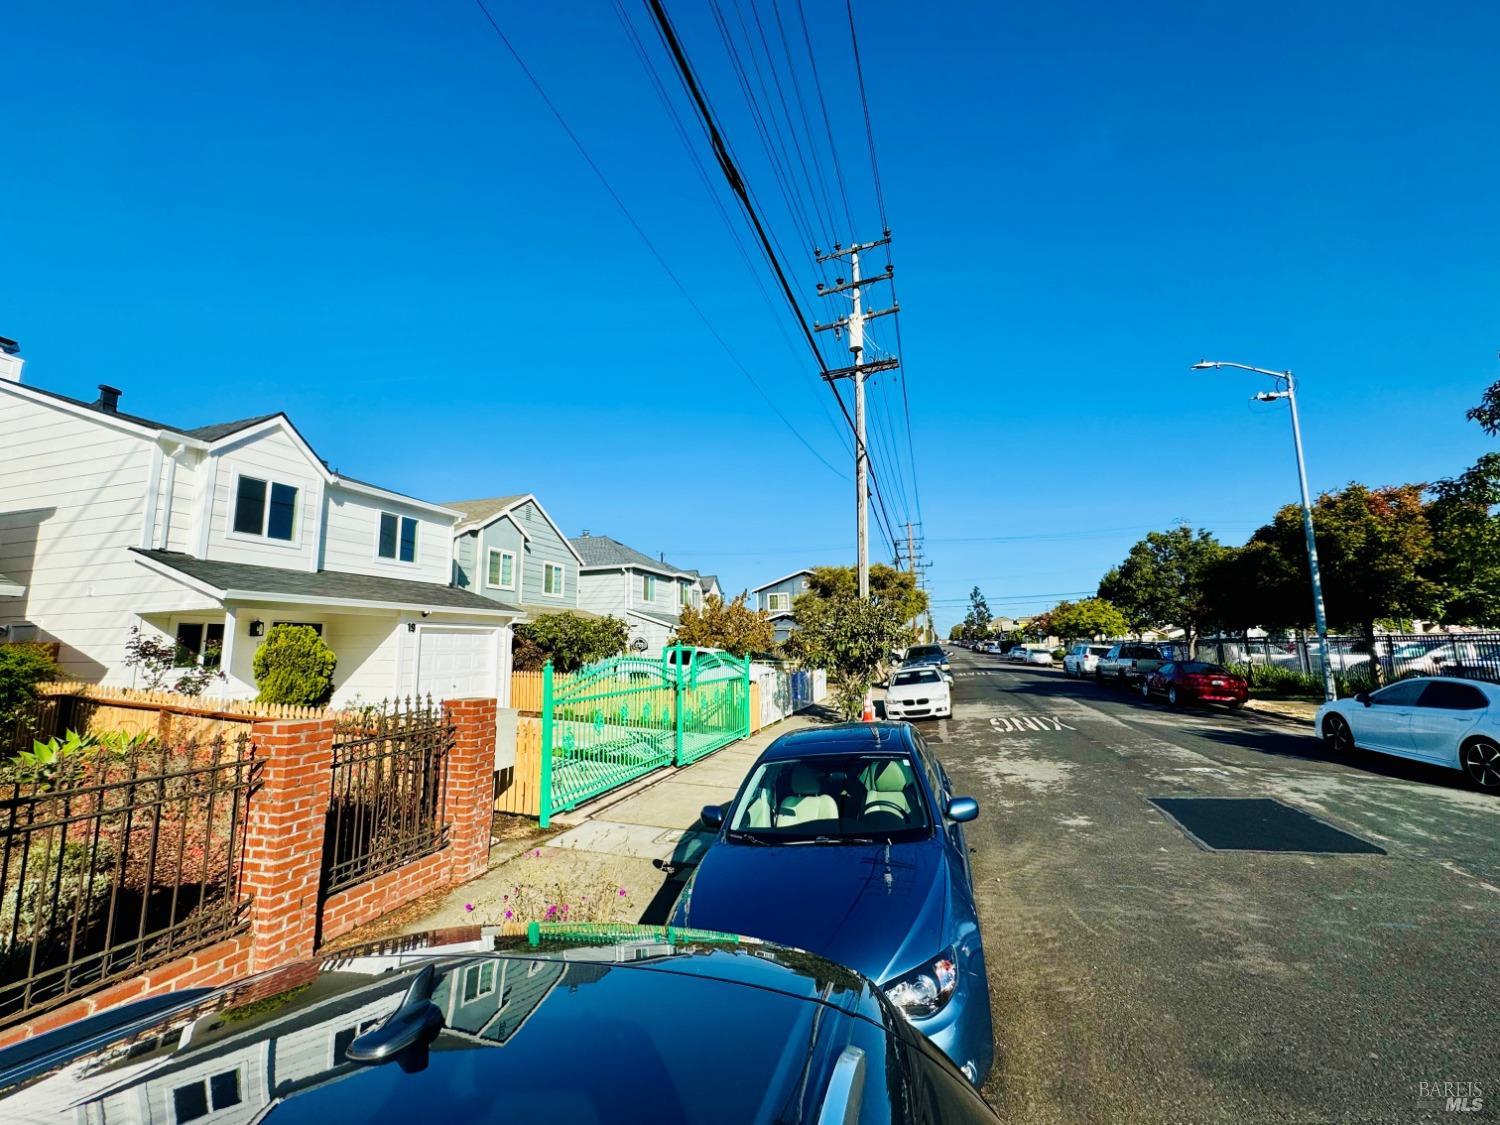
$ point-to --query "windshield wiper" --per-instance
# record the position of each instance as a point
(833, 840)
(746, 838)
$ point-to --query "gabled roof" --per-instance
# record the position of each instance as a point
(779, 581)
(211, 432)
(482, 513)
(600, 552)
(249, 582)
(708, 580)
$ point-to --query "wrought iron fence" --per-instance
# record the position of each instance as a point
(386, 806)
(113, 861)
(1467, 655)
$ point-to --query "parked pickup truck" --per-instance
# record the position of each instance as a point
(1128, 662)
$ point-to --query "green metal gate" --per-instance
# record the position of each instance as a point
(620, 719)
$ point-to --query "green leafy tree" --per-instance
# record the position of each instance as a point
(957, 633)
(1163, 581)
(851, 637)
(1085, 620)
(569, 640)
(976, 624)
(22, 668)
(294, 666)
(897, 589)
(731, 626)
(1487, 413)
(1466, 532)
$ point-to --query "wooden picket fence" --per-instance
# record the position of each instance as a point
(526, 689)
(523, 793)
(185, 704)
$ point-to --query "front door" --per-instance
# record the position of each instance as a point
(1386, 723)
(1444, 714)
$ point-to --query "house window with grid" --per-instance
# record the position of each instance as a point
(500, 569)
(199, 642)
(398, 538)
(778, 603)
(552, 580)
(265, 508)
(199, 1099)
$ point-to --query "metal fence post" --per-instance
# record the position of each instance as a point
(544, 784)
(677, 717)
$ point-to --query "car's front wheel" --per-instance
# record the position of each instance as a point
(1338, 736)
(1481, 760)
(1145, 690)
(1172, 695)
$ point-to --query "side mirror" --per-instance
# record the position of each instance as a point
(1363, 697)
(962, 809)
(712, 815)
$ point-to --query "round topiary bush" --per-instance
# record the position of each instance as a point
(294, 666)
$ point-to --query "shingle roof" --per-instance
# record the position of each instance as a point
(482, 511)
(709, 579)
(335, 585)
(601, 550)
(211, 432)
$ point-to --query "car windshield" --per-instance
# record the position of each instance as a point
(923, 652)
(832, 798)
(916, 676)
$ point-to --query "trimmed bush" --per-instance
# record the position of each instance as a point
(294, 666)
(22, 667)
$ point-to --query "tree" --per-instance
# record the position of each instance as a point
(1084, 620)
(1162, 581)
(22, 668)
(957, 633)
(569, 640)
(1466, 531)
(731, 626)
(976, 626)
(897, 589)
(1487, 413)
(851, 637)
(294, 666)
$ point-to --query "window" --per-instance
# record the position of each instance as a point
(255, 514)
(196, 640)
(1399, 695)
(398, 538)
(1167, 670)
(778, 603)
(1452, 697)
(687, 594)
(648, 587)
(194, 1100)
(552, 580)
(500, 569)
(479, 980)
(917, 676)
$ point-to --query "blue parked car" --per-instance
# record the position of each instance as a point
(847, 841)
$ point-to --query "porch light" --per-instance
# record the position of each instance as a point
(257, 628)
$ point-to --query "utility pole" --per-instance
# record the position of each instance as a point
(854, 323)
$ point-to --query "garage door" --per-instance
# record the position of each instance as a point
(455, 663)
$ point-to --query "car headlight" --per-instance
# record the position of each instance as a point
(926, 991)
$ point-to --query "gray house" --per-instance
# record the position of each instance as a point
(776, 598)
(509, 549)
(648, 593)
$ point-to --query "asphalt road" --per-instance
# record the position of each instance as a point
(1139, 977)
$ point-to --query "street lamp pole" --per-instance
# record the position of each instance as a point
(1289, 392)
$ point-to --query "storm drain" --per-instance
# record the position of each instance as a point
(1257, 824)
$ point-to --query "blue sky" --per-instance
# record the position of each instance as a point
(361, 213)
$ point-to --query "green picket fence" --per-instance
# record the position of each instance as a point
(618, 720)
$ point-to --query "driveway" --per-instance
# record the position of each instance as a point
(1138, 976)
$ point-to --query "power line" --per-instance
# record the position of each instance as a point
(859, 72)
(651, 246)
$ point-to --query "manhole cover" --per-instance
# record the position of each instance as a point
(1257, 824)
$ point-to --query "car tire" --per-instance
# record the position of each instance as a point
(1172, 695)
(1481, 762)
(1338, 737)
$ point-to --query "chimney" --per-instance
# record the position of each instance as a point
(585, 534)
(109, 399)
(10, 360)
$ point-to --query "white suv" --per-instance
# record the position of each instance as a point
(1083, 660)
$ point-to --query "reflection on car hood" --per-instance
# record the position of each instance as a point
(843, 901)
(589, 1020)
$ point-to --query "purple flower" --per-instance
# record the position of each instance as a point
(623, 892)
(509, 914)
(469, 906)
(537, 853)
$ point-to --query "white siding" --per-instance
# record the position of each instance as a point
(604, 592)
(353, 529)
(178, 535)
(270, 456)
(72, 501)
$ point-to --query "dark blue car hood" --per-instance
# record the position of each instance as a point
(832, 900)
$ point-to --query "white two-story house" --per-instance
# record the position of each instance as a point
(649, 594)
(208, 536)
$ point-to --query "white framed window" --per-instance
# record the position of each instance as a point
(648, 587)
(552, 580)
(778, 603)
(479, 980)
(397, 540)
(500, 569)
(264, 509)
(687, 594)
(207, 1095)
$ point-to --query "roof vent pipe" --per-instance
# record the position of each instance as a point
(109, 398)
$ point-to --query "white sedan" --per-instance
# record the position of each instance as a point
(1449, 722)
(1027, 655)
(918, 693)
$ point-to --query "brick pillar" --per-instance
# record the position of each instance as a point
(284, 837)
(471, 786)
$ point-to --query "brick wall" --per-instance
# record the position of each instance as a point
(283, 860)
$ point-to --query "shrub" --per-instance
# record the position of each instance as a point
(22, 667)
(1276, 681)
(294, 666)
(569, 640)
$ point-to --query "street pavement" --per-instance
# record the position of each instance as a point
(1138, 977)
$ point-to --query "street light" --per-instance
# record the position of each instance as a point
(1289, 392)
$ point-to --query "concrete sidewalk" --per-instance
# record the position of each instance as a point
(618, 859)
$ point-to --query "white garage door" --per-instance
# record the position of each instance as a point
(455, 663)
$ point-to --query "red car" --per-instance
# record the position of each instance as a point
(1192, 681)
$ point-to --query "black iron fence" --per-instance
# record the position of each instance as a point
(113, 861)
(386, 807)
(1468, 655)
